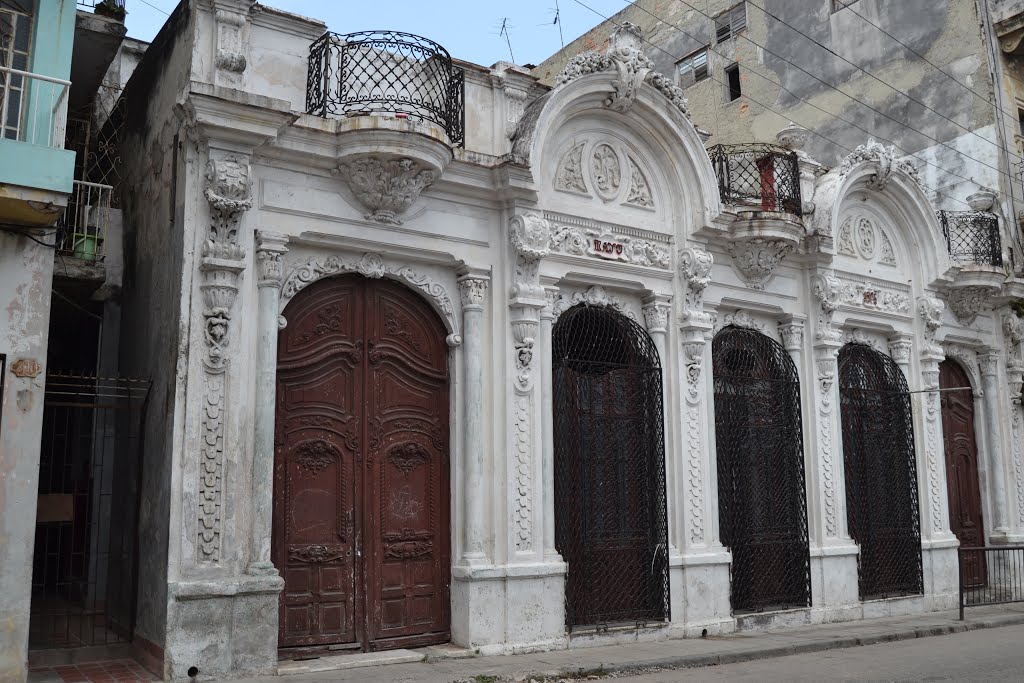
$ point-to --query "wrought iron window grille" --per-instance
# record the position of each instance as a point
(611, 523)
(763, 176)
(386, 72)
(761, 492)
(972, 237)
(881, 473)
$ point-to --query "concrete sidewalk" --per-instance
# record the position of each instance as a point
(621, 659)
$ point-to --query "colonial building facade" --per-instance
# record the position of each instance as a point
(443, 355)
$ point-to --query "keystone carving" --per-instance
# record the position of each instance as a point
(885, 161)
(386, 187)
(633, 68)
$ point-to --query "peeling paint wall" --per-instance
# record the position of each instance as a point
(787, 76)
(26, 271)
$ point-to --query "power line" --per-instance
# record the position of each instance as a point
(840, 91)
(155, 7)
(768, 108)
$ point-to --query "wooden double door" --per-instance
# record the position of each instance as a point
(361, 484)
(965, 519)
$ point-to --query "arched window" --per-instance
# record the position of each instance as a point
(761, 494)
(611, 521)
(881, 472)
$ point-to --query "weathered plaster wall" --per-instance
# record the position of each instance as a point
(151, 306)
(945, 32)
(26, 271)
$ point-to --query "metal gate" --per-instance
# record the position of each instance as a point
(881, 472)
(610, 512)
(762, 503)
(84, 562)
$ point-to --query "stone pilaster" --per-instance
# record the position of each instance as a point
(473, 294)
(547, 317)
(1013, 332)
(935, 503)
(988, 362)
(270, 250)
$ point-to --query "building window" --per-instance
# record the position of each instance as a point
(693, 69)
(15, 41)
(732, 82)
(1020, 120)
(840, 4)
(730, 22)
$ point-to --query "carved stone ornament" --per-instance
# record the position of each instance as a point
(530, 235)
(316, 554)
(741, 319)
(270, 250)
(967, 302)
(873, 296)
(885, 161)
(583, 241)
(656, 316)
(695, 269)
(899, 350)
(594, 296)
(524, 335)
(632, 66)
(757, 258)
(371, 265)
(930, 311)
(792, 334)
(1013, 329)
(26, 368)
(827, 289)
(988, 363)
(861, 338)
(386, 187)
(473, 292)
(569, 175)
(230, 42)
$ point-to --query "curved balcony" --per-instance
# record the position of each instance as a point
(386, 73)
(758, 177)
(972, 237)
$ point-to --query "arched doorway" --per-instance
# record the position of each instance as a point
(962, 467)
(881, 472)
(610, 512)
(762, 502)
(361, 487)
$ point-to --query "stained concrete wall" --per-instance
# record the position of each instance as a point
(787, 76)
(151, 305)
(26, 271)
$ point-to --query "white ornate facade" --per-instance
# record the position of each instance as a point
(598, 192)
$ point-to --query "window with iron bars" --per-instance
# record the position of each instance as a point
(15, 46)
(693, 68)
(730, 22)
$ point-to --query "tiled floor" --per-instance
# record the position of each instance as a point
(116, 671)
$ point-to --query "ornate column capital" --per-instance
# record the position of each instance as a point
(473, 291)
(899, 349)
(530, 235)
(270, 248)
(695, 269)
(929, 310)
(656, 309)
(791, 329)
(551, 296)
(988, 362)
(827, 289)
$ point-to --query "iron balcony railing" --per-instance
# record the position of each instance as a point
(972, 237)
(83, 227)
(386, 72)
(33, 107)
(991, 576)
(766, 177)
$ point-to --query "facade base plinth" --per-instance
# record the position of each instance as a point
(941, 576)
(699, 591)
(834, 576)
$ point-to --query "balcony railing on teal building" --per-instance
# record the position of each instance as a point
(33, 107)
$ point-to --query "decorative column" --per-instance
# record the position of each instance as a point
(791, 329)
(222, 261)
(530, 236)
(1013, 330)
(934, 519)
(988, 361)
(547, 317)
(473, 292)
(270, 248)
(656, 309)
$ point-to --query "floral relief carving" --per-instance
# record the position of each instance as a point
(315, 456)
(885, 253)
(695, 268)
(569, 176)
(741, 319)
(826, 375)
(792, 334)
(845, 242)
(639, 190)
(316, 554)
(594, 296)
(827, 289)
(632, 68)
(656, 316)
(884, 160)
(370, 265)
(932, 428)
(407, 549)
(397, 325)
(1018, 459)
(930, 309)
(967, 302)
(860, 337)
(757, 258)
(605, 171)
(865, 238)
(407, 457)
(386, 187)
(523, 475)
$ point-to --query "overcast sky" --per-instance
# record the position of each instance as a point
(468, 29)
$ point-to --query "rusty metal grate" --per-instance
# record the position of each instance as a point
(386, 72)
(610, 510)
(84, 562)
(761, 495)
(881, 472)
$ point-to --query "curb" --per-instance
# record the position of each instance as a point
(737, 656)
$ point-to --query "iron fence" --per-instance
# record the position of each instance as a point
(386, 72)
(1001, 569)
(972, 237)
(766, 177)
(761, 501)
(82, 228)
(611, 522)
(84, 563)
